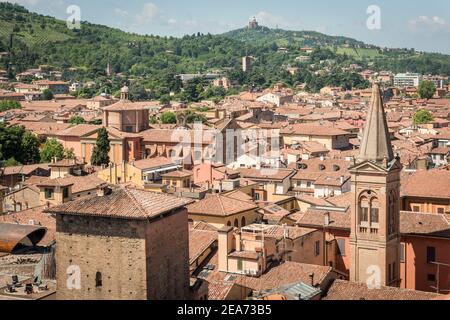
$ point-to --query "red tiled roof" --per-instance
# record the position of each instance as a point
(219, 205)
(345, 290)
(123, 204)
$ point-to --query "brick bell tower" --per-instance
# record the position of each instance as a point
(375, 234)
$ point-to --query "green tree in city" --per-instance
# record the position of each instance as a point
(168, 118)
(426, 89)
(76, 120)
(69, 154)
(47, 95)
(422, 117)
(52, 149)
(100, 155)
(30, 149)
(9, 105)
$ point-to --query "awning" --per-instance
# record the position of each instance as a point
(13, 236)
(174, 167)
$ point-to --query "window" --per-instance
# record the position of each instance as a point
(402, 252)
(239, 264)
(431, 277)
(364, 212)
(65, 193)
(308, 184)
(49, 193)
(341, 247)
(416, 209)
(441, 210)
(431, 254)
(257, 197)
(374, 212)
(98, 279)
(243, 222)
(391, 215)
(389, 273)
(236, 223)
(317, 248)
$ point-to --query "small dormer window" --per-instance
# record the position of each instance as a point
(49, 193)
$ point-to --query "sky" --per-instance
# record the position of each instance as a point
(422, 25)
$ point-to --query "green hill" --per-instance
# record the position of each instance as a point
(150, 63)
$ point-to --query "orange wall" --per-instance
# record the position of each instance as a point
(415, 269)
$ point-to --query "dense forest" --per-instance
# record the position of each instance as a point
(150, 64)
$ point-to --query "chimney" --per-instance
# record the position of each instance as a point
(225, 244)
(311, 276)
(101, 192)
(238, 241)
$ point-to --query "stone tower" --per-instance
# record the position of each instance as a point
(375, 235)
(125, 93)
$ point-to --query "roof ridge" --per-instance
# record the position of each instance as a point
(221, 204)
(138, 205)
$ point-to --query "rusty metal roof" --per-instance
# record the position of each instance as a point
(12, 235)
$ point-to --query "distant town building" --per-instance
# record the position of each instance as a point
(253, 23)
(247, 62)
(407, 80)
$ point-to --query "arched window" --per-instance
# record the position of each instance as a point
(98, 279)
(243, 222)
(236, 223)
(229, 223)
(363, 211)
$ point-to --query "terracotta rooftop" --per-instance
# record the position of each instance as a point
(427, 184)
(315, 218)
(199, 241)
(432, 225)
(177, 174)
(26, 170)
(284, 274)
(125, 105)
(123, 204)
(267, 174)
(312, 130)
(153, 163)
(219, 205)
(79, 184)
(345, 290)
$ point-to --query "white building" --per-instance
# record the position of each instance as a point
(407, 80)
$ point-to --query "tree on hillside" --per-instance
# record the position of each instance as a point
(100, 155)
(426, 90)
(422, 117)
(30, 149)
(52, 149)
(164, 100)
(168, 118)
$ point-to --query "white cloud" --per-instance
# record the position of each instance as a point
(430, 24)
(121, 12)
(149, 13)
(270, 20)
